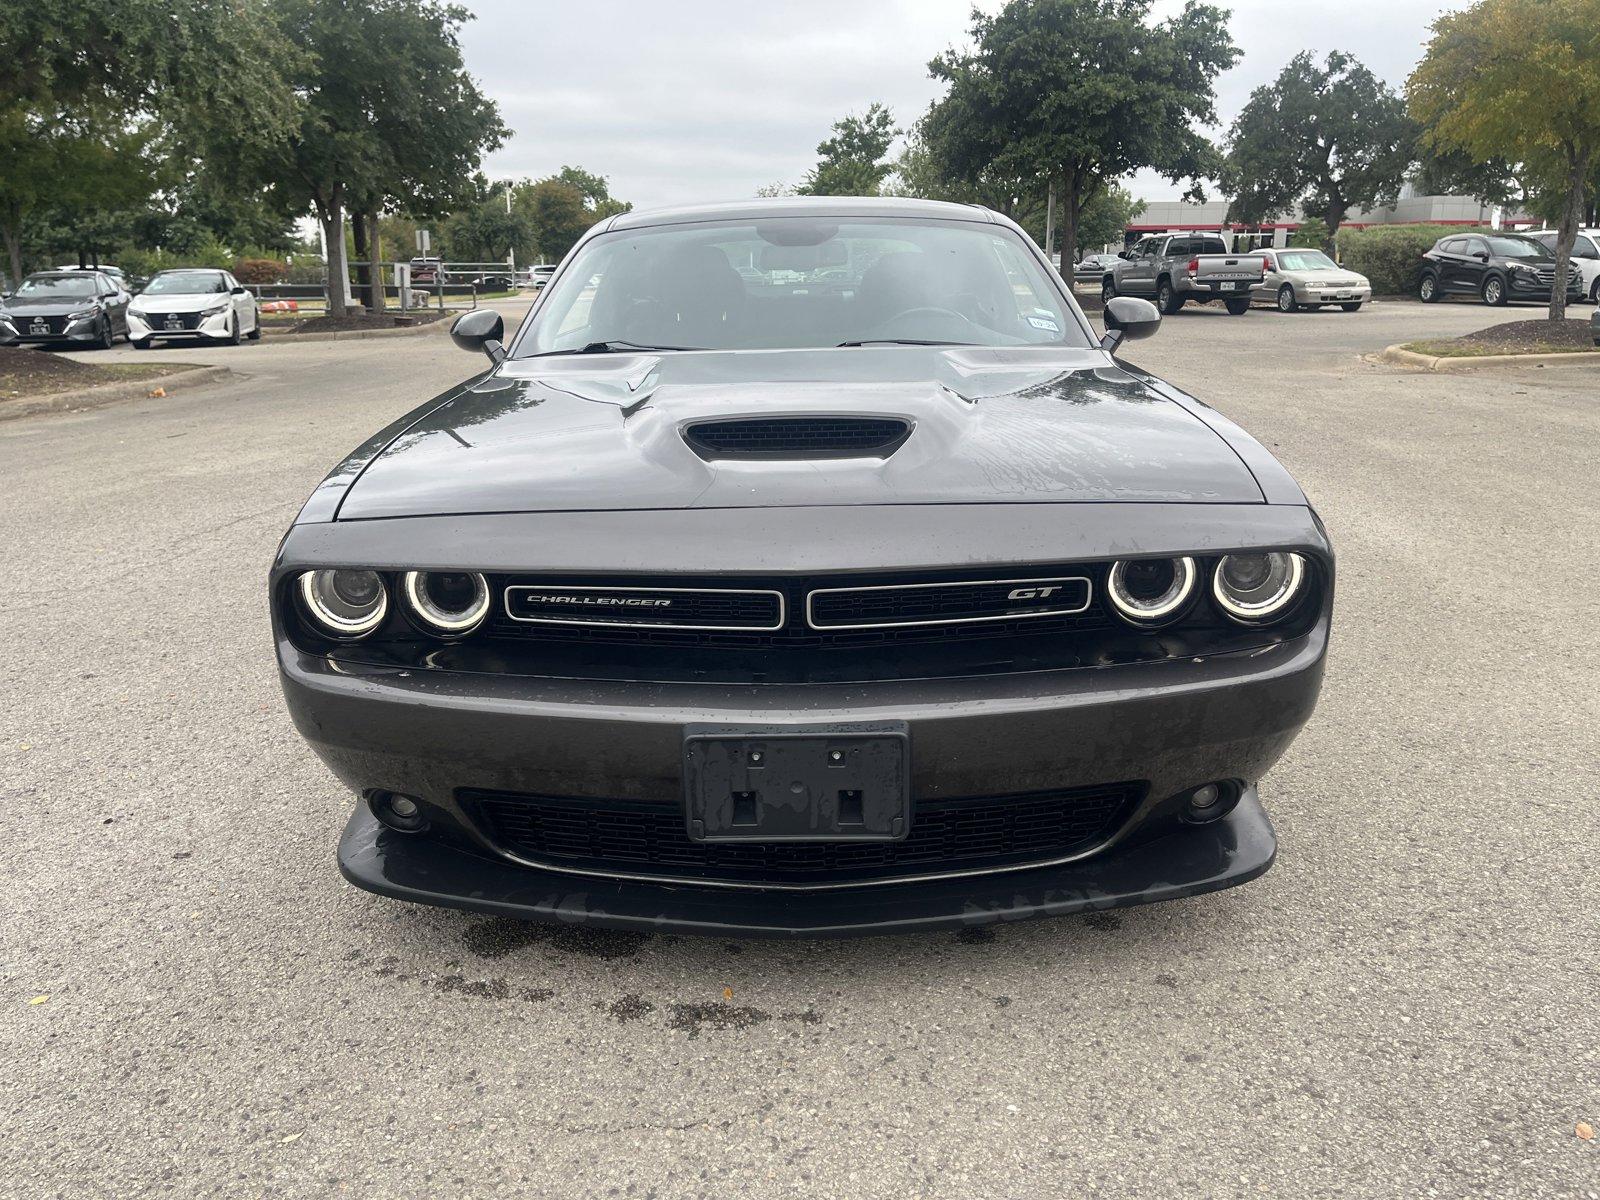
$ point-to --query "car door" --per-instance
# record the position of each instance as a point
(244, 304)
(1142, 270)
(1267, 289)
(1474, 265)
(115, 301)
(1452, 265)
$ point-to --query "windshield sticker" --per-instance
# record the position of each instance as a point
(1044, 323)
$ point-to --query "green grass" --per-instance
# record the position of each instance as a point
(1454, 349)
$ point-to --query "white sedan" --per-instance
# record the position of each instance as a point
(193, 304)
(1297, 279)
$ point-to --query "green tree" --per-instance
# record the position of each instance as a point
(1083, 92)
(1106, 217)
(387, 112)
(1329, 137)
(855, 160)
(1519, 81)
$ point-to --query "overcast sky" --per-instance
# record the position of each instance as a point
(690, 100)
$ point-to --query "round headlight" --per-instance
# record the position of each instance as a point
(448, 602)
(345, 603)
(1258, 587)
(1148, 591)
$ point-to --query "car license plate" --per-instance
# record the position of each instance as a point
(39, 327)
(798, 783)
(1228, 287)
(1342, 295)
(173, 323)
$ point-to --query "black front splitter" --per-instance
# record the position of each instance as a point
(1186, 862)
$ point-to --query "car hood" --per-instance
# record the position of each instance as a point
(605, 432)
(184, 302)
(46, 308)
(1323, 274)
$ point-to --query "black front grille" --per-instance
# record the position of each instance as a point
(588, 606)
(620, 837)
(940, 603)
(184, 321)
(798, 437)
(30, 326)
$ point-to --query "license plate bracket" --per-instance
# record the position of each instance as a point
(845, 782)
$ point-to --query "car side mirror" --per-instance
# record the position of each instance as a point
(241, 290)
(1128, 318)
(1481, 255)
(1124, 254)
(481, 329)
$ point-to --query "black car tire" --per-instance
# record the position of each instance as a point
(1594, 291)
(1167, 298)
(255, 334)
(1108, 289)
(1428, 289)
(146, 344)
(1494, 292)
(1286, 301)
(1238, 308)
(1353, 306)
(233, 331)
(108, 335)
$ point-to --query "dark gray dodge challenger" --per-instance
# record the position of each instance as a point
(804, 567)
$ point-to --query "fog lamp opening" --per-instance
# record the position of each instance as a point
(1211, 801)
(398, 812)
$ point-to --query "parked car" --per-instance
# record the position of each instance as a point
(1496, 267)
(540, 276)
(1585, 256)
(425, 271)
(1297, 278)
(1093, 268)
(193, 304)
(86, 308)
(1175, 268)
(809, 612)
(492, 282)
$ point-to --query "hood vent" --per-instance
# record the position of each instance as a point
(797, 437)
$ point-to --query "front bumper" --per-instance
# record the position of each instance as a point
(1526, 289)
(152, 325)
(1187, 861)
(85, 330)
(1318, 294)
(1176, 725)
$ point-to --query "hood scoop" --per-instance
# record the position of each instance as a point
(796, 437)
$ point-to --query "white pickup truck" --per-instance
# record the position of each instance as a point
(1174, 268)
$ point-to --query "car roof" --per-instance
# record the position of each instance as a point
(72, 274)
(190, 271)
(802, 206)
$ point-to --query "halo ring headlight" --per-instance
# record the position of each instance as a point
(344, 603)
(1255, 588)
(1150, 591)
(449, 603)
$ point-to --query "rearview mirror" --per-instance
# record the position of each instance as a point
(1127, 318)
(480, 329)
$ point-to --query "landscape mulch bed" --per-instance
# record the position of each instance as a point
(1542, 336)
(28, 373)
(363, 321)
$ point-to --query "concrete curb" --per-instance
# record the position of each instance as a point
(342, 335)
(1401, 357)
(110, 393)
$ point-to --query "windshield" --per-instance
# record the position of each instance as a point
(1511, 247)
(187, 283)
(57, 287)
(1305, 260)
(798, 282)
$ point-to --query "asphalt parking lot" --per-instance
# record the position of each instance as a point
(1404, 1006)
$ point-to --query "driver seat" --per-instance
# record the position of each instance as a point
(896, 283)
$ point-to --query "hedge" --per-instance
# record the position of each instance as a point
(1391, 255)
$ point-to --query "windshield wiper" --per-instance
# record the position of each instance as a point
(903, 342)
(612, 347)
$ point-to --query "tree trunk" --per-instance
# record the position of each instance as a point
(1333, 217)
(363, 263)
(375, 298)
(1072, 202)
(330, 214)
(13, 236)
(1571, 214)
